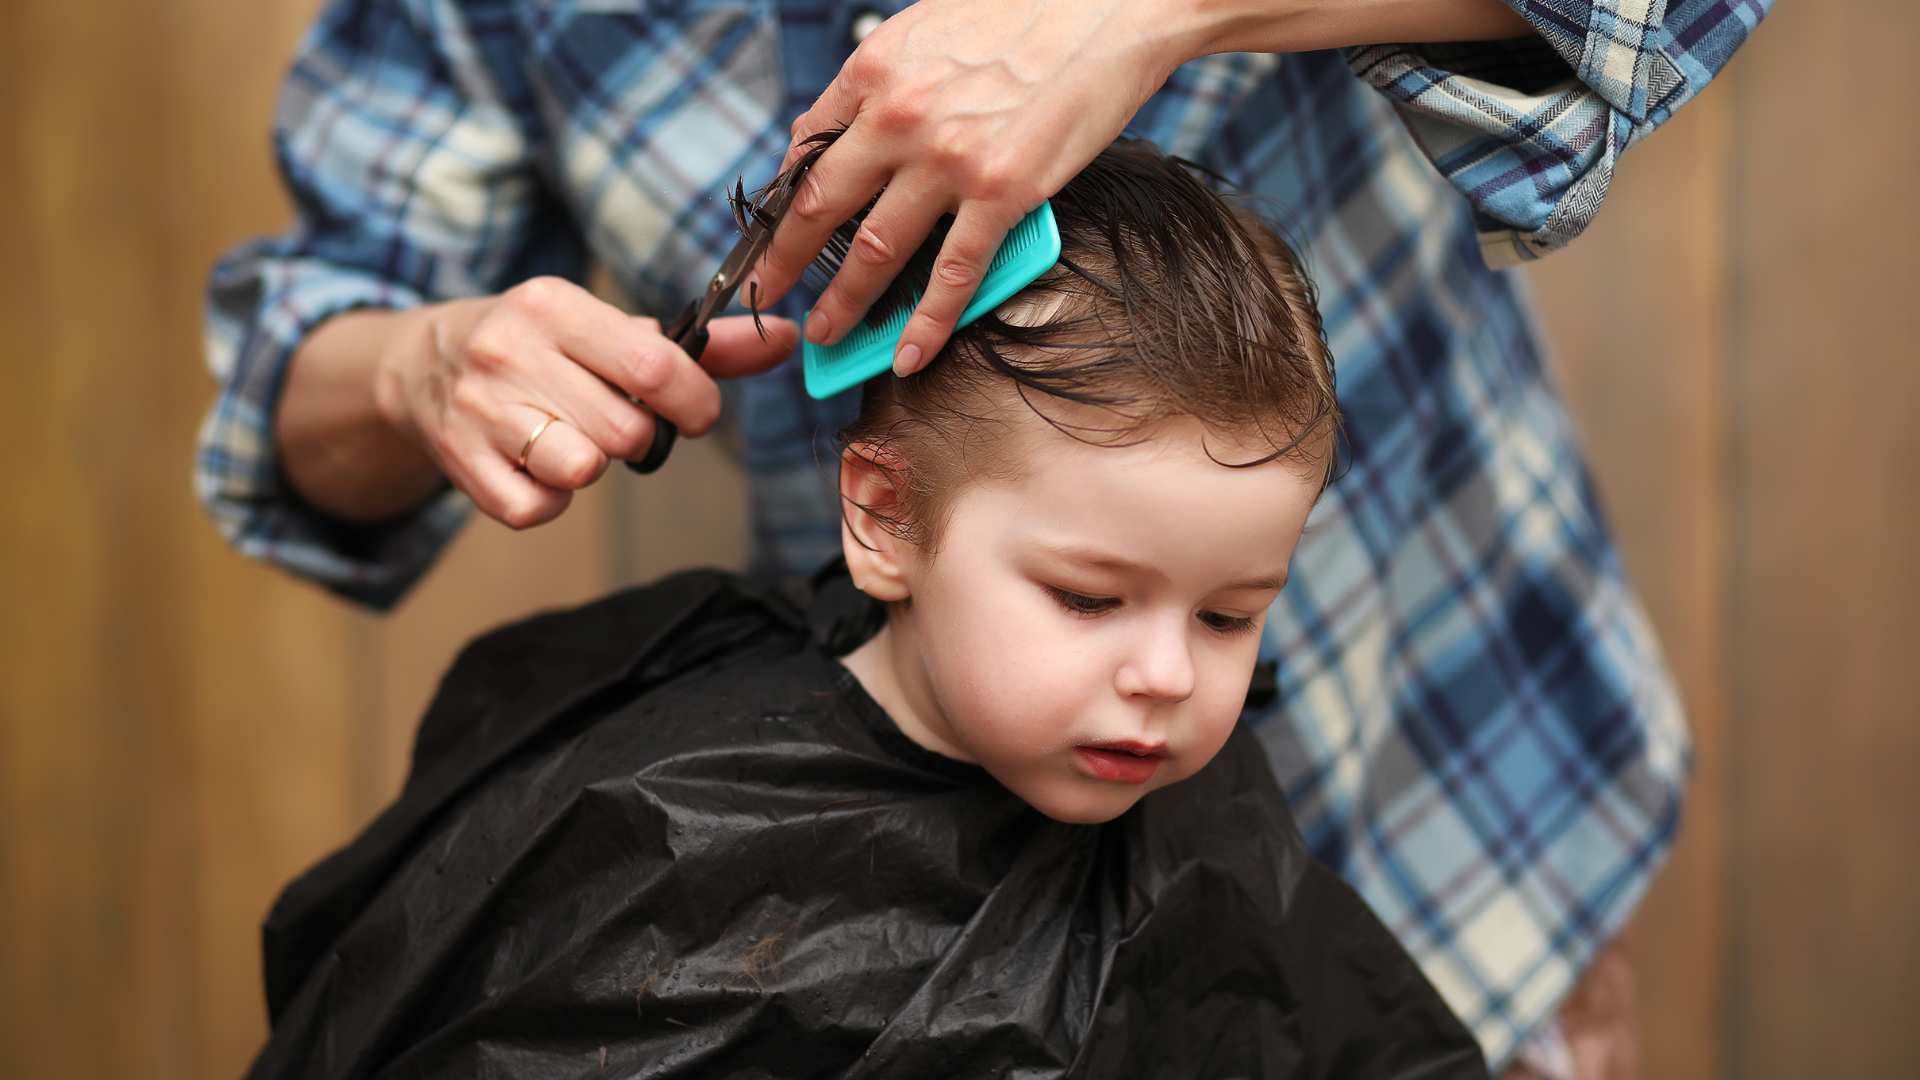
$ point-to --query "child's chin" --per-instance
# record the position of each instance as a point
(1090, 805)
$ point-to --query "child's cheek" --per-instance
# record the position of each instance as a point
(1012, 685)
(1215, 715)
(1017, 679)
(980, 672)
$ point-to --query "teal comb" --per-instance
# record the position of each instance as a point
(1029, 250)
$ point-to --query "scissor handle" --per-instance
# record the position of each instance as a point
(693, 341)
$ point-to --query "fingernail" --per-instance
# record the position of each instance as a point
(818, 327)
(906, 360)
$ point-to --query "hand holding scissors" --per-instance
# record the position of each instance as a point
(525, 397)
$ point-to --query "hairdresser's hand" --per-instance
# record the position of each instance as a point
(979, 108)
(493, 369)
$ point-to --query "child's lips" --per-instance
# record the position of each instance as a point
(1121, 762)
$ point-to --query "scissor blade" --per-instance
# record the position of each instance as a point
(765, 218)
(726, 282)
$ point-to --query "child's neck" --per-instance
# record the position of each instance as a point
(889, 668)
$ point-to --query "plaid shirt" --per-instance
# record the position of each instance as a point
(1472, 720)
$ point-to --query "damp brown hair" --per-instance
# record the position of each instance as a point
(1170, 300)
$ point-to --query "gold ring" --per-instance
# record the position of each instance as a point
(537, 432)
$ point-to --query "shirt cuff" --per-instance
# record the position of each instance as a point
(1531, 129)
(261, 307)
(1620, 49)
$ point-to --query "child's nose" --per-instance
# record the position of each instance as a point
(1160, 665)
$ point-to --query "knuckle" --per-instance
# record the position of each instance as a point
(629, 431)
(870, 247)
(867, 67)
(539, 297)
(517, 514)
(810, 199)
(468, 397)
(490, 347)
(522, 512)
(992, 172)
(1001, 181)
(841, 306)
(902, 113)
(649, 373)
(958, 269)
(579, 468)
(993, 185)
(927, 327)
(954, 147)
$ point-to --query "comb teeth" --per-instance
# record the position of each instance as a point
(1030, 249)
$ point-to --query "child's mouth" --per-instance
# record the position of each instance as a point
(1122, 763)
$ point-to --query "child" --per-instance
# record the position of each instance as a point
(979, 808)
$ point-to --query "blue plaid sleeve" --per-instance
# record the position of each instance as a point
(1530, 130)
(409, 144)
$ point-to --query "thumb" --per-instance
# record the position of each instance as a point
(735, 347)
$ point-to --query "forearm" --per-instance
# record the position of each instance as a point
(340, 432)
(1302, 25)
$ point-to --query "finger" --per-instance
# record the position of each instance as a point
(497, 488)
(611, 422)
(964, 257)
(836, 107)
(735, 348)
(645, 365)
(617, 426)
(891, 232)
(838, 185)
(563, 457)
(627, 352)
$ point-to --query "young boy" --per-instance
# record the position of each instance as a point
(979, 809)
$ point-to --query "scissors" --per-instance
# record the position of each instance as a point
(758, 216)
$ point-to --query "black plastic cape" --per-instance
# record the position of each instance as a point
(668, 834)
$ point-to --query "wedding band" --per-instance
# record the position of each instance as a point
(531, 439)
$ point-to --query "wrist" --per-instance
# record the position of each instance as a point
(1303, 25)
(1219, 26)
(410, 356)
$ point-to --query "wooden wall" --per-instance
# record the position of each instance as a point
(181, 731)
(1738, 336)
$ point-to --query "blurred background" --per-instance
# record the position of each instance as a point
(182, 730)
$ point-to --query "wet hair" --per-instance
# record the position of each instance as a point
(1168, 301)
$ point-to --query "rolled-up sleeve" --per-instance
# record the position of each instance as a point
(409, 144)
(1530, 130)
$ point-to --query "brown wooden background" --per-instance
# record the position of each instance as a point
(181, 731)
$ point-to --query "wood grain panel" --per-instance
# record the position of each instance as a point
(108, 822)
(1635, 316)
(197, 703)
(184, 730)
(1826, 609)
(279, 682)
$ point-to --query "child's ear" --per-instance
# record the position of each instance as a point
(878, 559)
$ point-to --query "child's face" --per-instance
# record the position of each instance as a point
(1112, 597)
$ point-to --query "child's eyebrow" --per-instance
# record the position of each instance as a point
(1268, 584)
(1106, 560)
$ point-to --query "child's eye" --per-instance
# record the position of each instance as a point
(1080, 604)
(1226, 624)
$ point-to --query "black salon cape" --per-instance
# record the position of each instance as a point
(668, 834)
